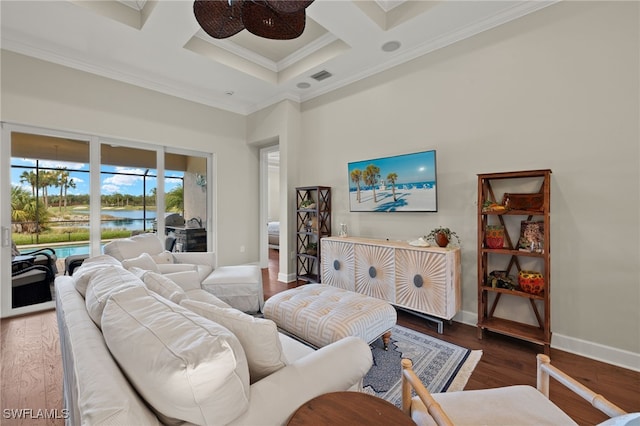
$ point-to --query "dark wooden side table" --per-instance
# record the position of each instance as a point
(349, 408)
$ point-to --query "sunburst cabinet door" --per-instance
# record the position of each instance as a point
(337, 264)
(375, 272)
(425, 282)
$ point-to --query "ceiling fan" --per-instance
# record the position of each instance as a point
(272, 19)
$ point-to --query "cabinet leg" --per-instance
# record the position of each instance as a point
(480, 333)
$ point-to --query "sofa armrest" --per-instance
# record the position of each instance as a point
(335, 367)
(196, 257)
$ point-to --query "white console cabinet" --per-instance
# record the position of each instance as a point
(421, 279)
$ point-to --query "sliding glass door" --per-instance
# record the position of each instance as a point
(67, 195)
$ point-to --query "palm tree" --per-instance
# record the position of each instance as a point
(371, 176)
(392, 177)
(70, 184)
(45, 180)
(19, 199)
(31, 178)
(356, 177)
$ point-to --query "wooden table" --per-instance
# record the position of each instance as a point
(348, 408)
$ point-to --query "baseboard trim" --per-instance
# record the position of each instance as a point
(587, 349)
(286, 278)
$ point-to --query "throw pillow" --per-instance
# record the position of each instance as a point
(184, 366)
(89, 267)
(258, 336)
(102, 285)
(144, 261)
(164, 286)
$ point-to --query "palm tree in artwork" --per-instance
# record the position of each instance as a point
(392, 177)
(371, 176)
(356, 177)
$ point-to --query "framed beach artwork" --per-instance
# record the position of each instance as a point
(400, 183)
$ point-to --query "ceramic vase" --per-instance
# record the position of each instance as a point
(441, 239)
(531, 282)
(494, 237)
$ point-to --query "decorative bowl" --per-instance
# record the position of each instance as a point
(531, 282)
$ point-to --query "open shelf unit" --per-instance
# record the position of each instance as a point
(313, 222)
(512, 256)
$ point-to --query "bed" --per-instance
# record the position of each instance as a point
(273, 231)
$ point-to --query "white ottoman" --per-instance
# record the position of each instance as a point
(321, 314)
(240, 286)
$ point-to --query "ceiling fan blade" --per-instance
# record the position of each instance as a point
(218, 18)
(288, 6)
(263, 21)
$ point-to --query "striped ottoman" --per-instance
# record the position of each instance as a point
(321, 314)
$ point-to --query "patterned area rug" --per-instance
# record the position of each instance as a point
(441, 366)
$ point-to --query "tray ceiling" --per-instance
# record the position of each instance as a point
(159, 45)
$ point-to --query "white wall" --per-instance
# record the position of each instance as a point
(557, 89)
(42, 94)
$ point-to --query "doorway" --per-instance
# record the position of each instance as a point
(271, 229)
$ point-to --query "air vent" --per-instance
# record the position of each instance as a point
(319, 76)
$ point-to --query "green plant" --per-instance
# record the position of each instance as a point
(432, 235)
(311, 248)
(307, 203)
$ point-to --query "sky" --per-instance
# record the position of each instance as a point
(110, 184)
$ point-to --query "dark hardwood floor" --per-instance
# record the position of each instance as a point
(31, 368)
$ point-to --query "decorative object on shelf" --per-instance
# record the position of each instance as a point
(311, 249)
(343, 230)
(272, 19)
(308, 204)
(494, 236)
(312, 224)
(523, 201)
(442, 236)
(500, 279)
(492, 206)
(531, 282)
(420, 242)
(531, 236)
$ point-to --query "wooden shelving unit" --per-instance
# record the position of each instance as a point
(511, 257)
(312, 224)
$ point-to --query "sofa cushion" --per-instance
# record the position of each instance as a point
(186, 367)
(163, 258)
(102, 285)
(201, 295)
(187, 280)
(164, 286)
(143, 261)
(258, 336)
(82, 275)
(128, 248)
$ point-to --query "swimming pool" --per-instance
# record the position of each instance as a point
(72, 250)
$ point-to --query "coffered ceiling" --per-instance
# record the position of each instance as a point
(159, 45)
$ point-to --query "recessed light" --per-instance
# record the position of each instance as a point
(303, 85)
(390, 46)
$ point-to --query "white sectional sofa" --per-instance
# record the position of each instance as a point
(238, 285)
(140, 349)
